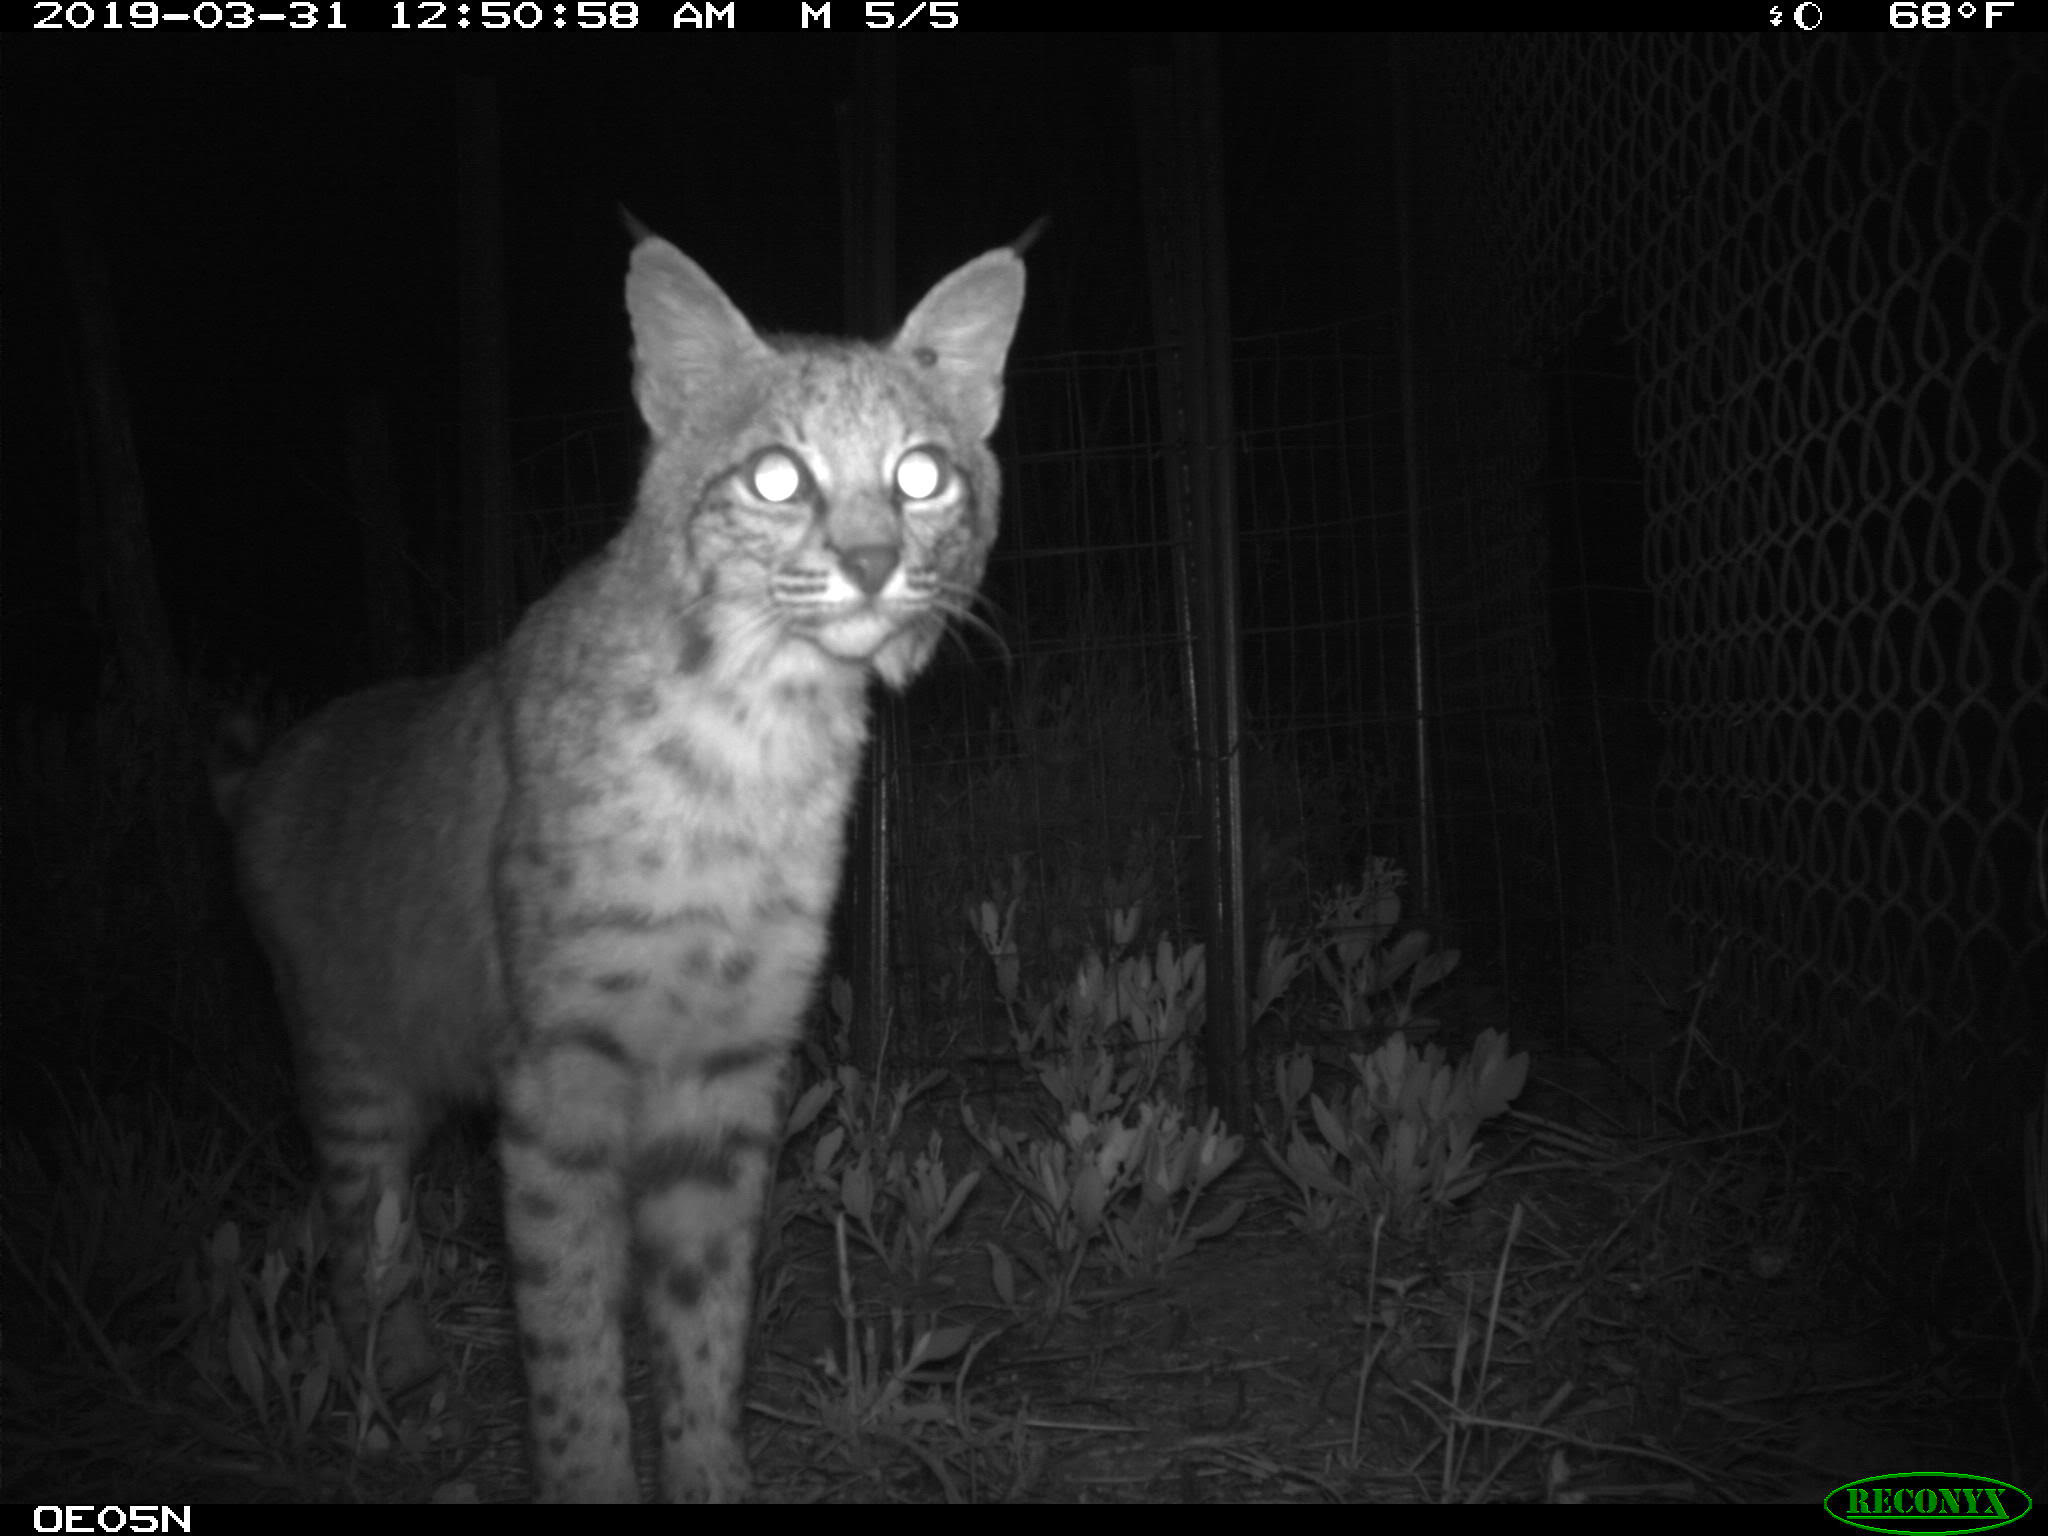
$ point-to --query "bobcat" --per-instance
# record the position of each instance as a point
(589, 877)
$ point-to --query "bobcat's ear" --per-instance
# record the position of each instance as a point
(960, 334)
(686, 332)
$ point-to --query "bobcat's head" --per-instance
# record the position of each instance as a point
(824, 494)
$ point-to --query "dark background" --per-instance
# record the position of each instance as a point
(279, 219)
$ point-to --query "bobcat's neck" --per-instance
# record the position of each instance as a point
(793, 719)
(646, 692)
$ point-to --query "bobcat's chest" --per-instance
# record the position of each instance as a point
(674, 870)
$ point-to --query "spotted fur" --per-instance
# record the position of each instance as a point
(590, 876)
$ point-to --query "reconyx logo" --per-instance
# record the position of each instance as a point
(1920, 1502)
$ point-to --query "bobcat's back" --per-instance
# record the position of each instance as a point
(365, 848)
(590, 876)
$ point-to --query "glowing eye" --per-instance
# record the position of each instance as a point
(775, 476)
(921, 473)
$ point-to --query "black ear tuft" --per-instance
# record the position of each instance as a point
(638, 230)
(1029, 238)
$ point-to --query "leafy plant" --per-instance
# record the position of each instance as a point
(1122, 1191)
(899, 1207)
(1401, 1141)
(1119, 1178)
(264, 1338)
(1362, 963)
(1120, 1032)
(260, 1323)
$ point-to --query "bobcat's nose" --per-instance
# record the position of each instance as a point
(869, 565)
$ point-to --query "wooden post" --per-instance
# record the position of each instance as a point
(1182, 152)
(867, 146)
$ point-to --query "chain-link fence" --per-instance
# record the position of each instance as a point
(1827, 258)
